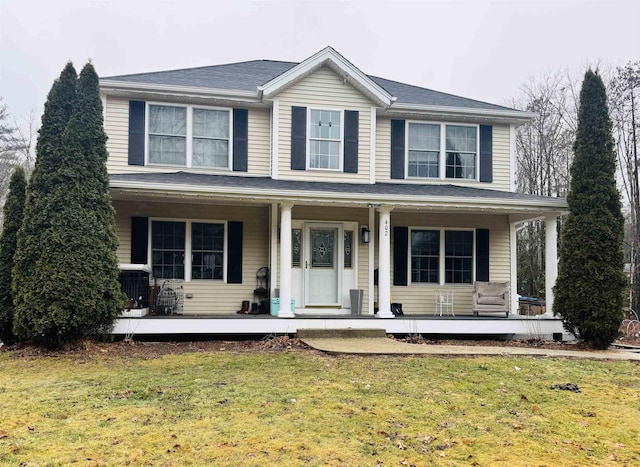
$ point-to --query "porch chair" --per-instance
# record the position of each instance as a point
(491, 297)
(444, 303)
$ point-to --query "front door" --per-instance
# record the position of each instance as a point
(322, 272)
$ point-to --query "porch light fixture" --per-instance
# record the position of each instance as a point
(364, 234)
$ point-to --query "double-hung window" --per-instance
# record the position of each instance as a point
(458, 257)
(424, 150)
(167, 135)
(207, 250)
(462, 148)
(425, 256)
(187, 250)
(189, 136)
(167, 249)
(429, 256)
(325, 139)
(437, 150)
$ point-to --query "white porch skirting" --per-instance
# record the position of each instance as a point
(521, 326)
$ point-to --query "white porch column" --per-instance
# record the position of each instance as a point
(514, 268)
(384, 263)
(273, 250)
(372, 257)
(551, 260)
(285, 260)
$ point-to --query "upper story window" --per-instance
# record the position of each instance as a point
(424, 150)
(462, 149)
(167, 135)
(189, 136)
(432, 147)
(325, 139)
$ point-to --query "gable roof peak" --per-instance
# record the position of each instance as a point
(340, 65)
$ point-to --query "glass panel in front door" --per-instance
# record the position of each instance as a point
(322, 248)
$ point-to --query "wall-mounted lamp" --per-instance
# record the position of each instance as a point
(364, 234)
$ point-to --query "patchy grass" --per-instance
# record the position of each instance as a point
(302, 407)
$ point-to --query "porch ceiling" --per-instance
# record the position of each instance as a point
(203, 188)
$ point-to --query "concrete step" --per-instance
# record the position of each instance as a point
(337, 333)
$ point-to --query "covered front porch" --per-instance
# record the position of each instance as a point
(396, 243)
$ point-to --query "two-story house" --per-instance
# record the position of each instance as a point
(331, 179)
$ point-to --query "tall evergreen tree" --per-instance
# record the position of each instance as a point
(590, 285)
(75, 291)
(13, 213)
(36, 231)
(87, 241)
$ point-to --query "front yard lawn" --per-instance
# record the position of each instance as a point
(300, 407)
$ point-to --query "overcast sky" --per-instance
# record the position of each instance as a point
(479, 49)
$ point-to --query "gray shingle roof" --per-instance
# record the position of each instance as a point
(243, 76)
(247, 76)
(409, 94)
(296, 186)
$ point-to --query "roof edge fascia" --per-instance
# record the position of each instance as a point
(514, 115)
(109, 86)
(555, 204)
(310, 64)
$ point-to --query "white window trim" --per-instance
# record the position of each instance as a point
(188, 136)
(441, 257)
(188, 252)
(442, 158)
(341, 144)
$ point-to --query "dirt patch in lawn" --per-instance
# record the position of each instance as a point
(148, 349)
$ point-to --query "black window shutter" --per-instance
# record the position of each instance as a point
(351, 120)
(234, 257)
(400, 248)
(240, 140)
(136, 132)
(482, 255)
(397, 149)
(486, 153)
(298, 138)
(139, 239)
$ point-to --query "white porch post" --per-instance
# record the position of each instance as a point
(514, 268)
(274, 249)
(551, 260)
(372, 257)
(384, 263)
(285, 260)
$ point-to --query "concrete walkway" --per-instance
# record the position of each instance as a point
(387, 346)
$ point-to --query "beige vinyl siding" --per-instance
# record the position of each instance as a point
(383, 149)
(420, 298)
(209, 297)
(323, 89)
(259, 143)
(501, 159)
(117, 128)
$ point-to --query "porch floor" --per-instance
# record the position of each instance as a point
(519, 326)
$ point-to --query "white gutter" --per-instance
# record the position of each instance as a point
(558, 204)
(463, 111)
(123, 86)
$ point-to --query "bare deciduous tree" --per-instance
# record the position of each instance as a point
(17, 138)
(624, 103)
(544, 151)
